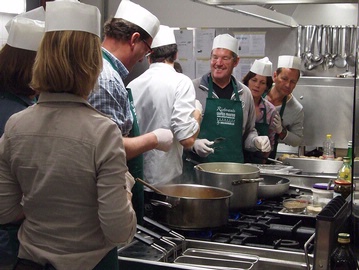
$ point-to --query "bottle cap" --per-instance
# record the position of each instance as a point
(344, 238)
(329, 136)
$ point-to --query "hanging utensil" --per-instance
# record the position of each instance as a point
(310, 32)
(149, 186)
(333, 42)
(352, 46)
(340, 60)
(300, 41)
(317, 53)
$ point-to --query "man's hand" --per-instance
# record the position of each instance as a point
(164, 139)
(201, 147)
(262, 143)
(277, 122)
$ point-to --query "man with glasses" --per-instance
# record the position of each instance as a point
(285, 78)
(229, 113)
(127, 40)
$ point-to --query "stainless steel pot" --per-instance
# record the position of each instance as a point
(188, 206)
(272, 186)
(239, 178)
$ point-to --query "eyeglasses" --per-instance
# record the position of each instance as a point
(149, 48)
(215, 58)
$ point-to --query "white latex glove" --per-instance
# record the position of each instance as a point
(262, 143)
(198, 106)
(277, 122)
(201, 147)
(164, 138)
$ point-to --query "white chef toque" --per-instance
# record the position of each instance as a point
(165, 36)
(139, 16)
(262, 67)
(25, 33)
(288, 61)
(226, 41)
(64, 15)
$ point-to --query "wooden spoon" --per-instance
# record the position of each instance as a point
(149, 186)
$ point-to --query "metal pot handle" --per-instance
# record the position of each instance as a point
(246, 181)
(158, 203)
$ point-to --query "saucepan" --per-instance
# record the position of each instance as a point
(241, 179)
(190, 206)
(272, 186)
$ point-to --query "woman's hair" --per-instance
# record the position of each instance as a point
(121, 29)
(250, 75)
(67, 61)
(162, 53)
(16, 70)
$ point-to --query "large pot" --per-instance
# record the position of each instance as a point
(272, 186)
(188, 206)
(239, 178)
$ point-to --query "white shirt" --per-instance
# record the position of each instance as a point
(164, 98)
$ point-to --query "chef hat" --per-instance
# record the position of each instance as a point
(288, 61)
(226, 41)
(72, 15)
(34, 14)
(25, 33)
(139, 16)
(262, 67)
(165, 36)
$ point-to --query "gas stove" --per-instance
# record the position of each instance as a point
(264, 237)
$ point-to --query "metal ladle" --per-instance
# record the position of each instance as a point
(352, 44)
(340, 60)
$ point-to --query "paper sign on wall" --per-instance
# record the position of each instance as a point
(251, 44)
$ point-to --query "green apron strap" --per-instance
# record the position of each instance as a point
(276, 138)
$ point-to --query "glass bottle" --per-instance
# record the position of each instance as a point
(345, 172)
(343, 257)
(328, 147)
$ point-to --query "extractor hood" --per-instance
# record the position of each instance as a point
(276, 11)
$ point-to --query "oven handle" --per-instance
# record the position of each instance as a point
(306, 251)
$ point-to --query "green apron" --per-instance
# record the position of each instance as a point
(223, 118)
(135, 166)
(276, 138)
(262, 130)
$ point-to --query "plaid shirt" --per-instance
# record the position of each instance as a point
(110, 96)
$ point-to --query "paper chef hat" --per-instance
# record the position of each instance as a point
(226, 41)
(25, 33)
(165, 36)
(288, 61)
(139, 16)
(262, 67)
(72, 15)
(34, 14)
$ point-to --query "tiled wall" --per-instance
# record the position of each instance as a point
(4, 18)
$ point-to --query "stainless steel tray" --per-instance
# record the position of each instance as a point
(209, 263)
(300, 214)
